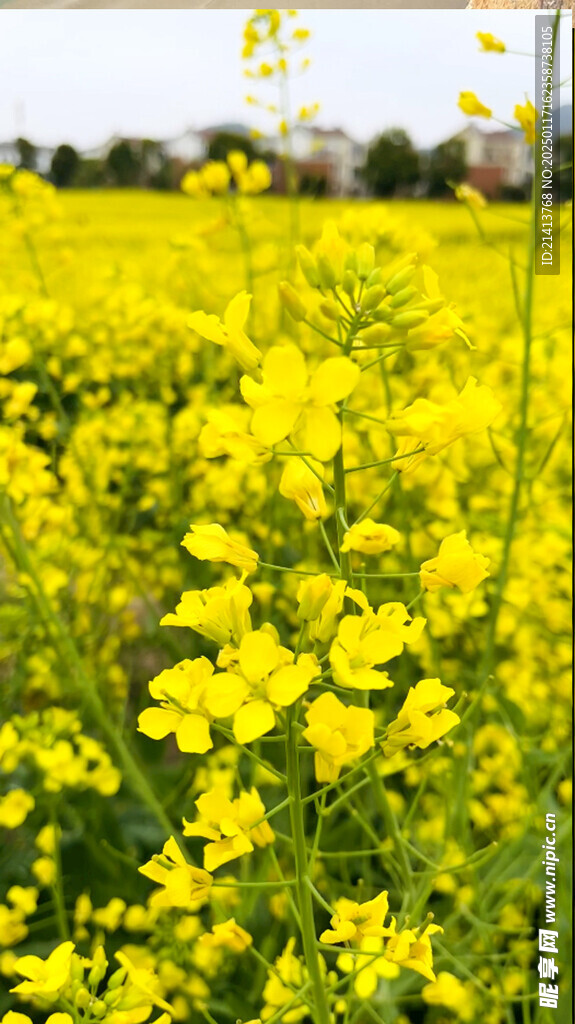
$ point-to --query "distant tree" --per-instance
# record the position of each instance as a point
(90, 174)
(313, 185)
(64, 165)
(224, 142)
(124, 165)
(26, 154)
(392, 163)
(446, 164)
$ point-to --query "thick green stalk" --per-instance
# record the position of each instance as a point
(303, 892)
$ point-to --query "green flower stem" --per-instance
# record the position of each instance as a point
(255, 885)
(57, 886)
(391, 824)
(394, 476)
(71, 656)
(327, 543)
(270, 967)
(384, 462)
(383, 575)
(263, 764)
(298, 572)
(304, 896)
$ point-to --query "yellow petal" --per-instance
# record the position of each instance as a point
(253, 721)
(157, 722)
(333, 380)
(193, 735)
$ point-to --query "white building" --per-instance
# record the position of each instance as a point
(496, 159)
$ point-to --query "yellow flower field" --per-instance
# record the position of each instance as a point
(285, 543)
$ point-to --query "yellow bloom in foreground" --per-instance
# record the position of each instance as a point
(182, 882)
(456, 565)
(45, 977)
(229, 935)
(471, 106)
(182, 691)
(229, 333)
(262, 678)
(229, 825)
(212, 544)
(449, 991)
(290, 402)
(527, 116)
(412, 948)
(422, 719)
(220, 613)
(301, 484)
(15, 808)
(431, 427)
(143, 986)
(371, 639)
(370, 538)
(490, 43)
(355, 921)
(340, 734)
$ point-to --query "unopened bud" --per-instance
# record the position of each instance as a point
(291, 301)
(374, 278)
(377, 334)
(82, 999)
(350, 262)
(400, 280)
(312, 597)
(412, 318)
(349, 283)
(117, 978)
(403, 297)
(372, 298)
(329, 309)
(308, 266)
(365, 260)
(326, 271)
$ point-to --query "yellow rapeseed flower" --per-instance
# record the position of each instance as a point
(340, 734)
(471, 106)
(490, 43)
(422, 719)
(527, 117)
(368, 640)
(220, 613)
(370, 538)
(45, 977)
(213, 544)
(183, 883)
(355, 921)
(301, 482)
(229, 826)
(455, 565)
(181, 691)
(229, 333)
(291, 403)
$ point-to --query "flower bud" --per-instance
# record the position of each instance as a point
(329, 309)
(400, 280)
(349, 283)
(350, 262)
(412, 318)
(82, 999)
(308, 266)
(403, 297)
(117, 978)
(326, 271)
(377, 334)
(291, 301)
(365, 261)
(372, 298)
(374, 278)
(312, 597)
(99, 967)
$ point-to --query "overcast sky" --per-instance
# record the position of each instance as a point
(81, 76)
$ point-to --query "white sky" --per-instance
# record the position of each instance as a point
(81, 76)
